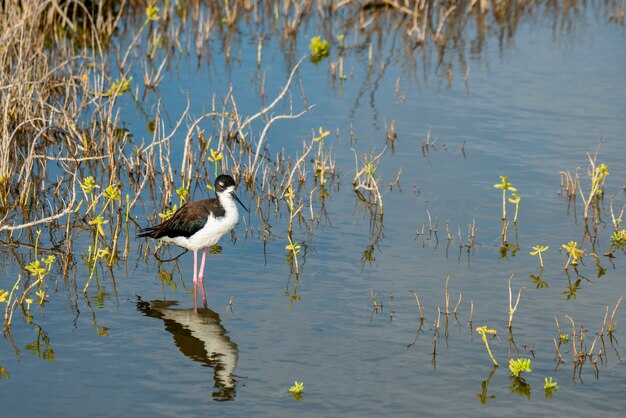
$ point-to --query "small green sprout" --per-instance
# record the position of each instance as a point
(483, 331)
(320, 166)
(88, 184)
(574, 253)
(618, 239)
(297, 389)
(42, 296)
(152, 13)
(103, 252)
(36, 269)
(182, 193)
(294, 249)
(550, 384)
(549, 387)
(517, 366)
(515, 199)
(112, 192)
(323, 134)
(504, 185)
(319, 49)
(119, 87)
(564, 338)
(538, 250)
(214, 158)
(48, 261)
(598, 175)
(168, 213)
(99, 221)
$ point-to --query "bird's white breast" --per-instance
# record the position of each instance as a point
(212, 231)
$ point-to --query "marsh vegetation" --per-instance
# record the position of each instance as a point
(368, 138)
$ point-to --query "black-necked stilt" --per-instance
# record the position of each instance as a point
(199, 225)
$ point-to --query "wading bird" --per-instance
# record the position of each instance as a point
(199, 225)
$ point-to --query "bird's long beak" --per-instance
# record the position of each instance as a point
(239, 201)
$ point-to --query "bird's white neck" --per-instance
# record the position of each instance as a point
(227, 200)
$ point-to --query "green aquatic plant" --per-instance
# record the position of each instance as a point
(168, 213)
(549, 387)
(365, 183)
(574, 253)
(483, 331)
(538, 249)
(293, 249)
(618, 239)
(597, 175)
(564, 338)
(39, 268)
(296, 390)
(298, 387)
(182, 193)
(550, 384)
(35, 268)
(10, 303)
(515, 199)
(152, 13)
(112, 192)
(319, 49)
(321, 166)
(214, 158)
(95, 252)
(88, 184)
(119, 87)
(517, 366)
(98, 222)
(504, 185)
(42, 296)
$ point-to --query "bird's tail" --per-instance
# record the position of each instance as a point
(149, 232)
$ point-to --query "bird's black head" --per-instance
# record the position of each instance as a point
(225, 186)
(222, 182)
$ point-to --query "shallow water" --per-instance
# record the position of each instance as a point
(528, 111)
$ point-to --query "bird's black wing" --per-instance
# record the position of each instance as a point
(187, 220)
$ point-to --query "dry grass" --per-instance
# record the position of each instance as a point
(66, 70)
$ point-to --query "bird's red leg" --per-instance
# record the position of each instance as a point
(201, 277)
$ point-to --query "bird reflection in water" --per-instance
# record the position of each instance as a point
(201, 337)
